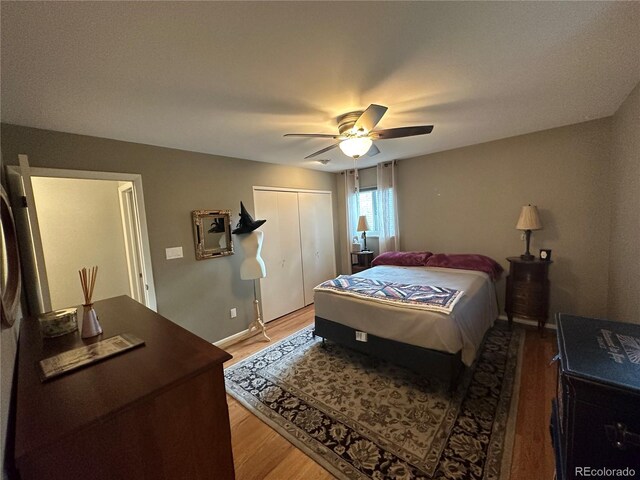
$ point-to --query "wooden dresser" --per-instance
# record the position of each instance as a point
(155, 412)
(527, 293)
(595, 420)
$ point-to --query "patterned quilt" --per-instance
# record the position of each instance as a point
(421, 297)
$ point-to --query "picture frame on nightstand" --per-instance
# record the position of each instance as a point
(545, 254)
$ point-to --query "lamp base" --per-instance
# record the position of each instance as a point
(527, 255)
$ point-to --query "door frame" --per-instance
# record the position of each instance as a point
(135, 178)
(132, 242)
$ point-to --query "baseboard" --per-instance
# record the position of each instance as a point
(531, 323)
(235, 338)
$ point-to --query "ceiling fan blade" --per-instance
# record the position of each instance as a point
(319, 152)
(401, 132)
(317, 135)
(372, 151)
(370, 117)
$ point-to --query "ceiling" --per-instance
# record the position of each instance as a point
(230, 78)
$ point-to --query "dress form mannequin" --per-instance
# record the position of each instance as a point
(253, 268)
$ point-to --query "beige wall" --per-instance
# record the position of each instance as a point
(624, 257)
(468, 201)
(194, 294)
(81, 226)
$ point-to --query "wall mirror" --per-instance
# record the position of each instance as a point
(212, 233)
(10, 279)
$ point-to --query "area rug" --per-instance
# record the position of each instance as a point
(360, 418)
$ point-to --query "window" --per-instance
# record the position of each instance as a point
(368, 201)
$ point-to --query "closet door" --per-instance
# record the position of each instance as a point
(282, 289)
(316, 238)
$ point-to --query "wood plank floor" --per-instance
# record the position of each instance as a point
(261, 453)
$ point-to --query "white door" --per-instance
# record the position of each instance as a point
(281, 290)
(316, 238)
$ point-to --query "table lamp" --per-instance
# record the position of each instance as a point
(529, 220)
(363, 226)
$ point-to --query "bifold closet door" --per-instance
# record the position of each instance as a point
(282, 289)
(316, 238)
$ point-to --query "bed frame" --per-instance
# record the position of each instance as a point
(446, 366)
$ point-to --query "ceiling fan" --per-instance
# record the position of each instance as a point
(356, 132)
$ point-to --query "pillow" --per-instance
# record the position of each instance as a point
(402, 259)
(466, 261)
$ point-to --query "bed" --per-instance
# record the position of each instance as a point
(433, 343)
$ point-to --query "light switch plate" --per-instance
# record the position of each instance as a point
(173, 252)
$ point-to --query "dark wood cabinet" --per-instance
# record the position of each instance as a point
(595, 420)
(527, 293)
(361, 261)
(156, 412)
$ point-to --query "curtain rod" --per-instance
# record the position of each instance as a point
(386, 164)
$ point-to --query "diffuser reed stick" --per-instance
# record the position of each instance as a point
(88, 283)
(90, 324)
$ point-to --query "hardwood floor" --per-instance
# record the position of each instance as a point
(261, 453)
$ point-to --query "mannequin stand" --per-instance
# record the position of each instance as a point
(257, 324)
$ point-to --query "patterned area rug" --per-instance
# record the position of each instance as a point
(360, 418)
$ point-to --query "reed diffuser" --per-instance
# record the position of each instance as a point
(90, 325)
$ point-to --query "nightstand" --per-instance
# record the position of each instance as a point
(528, 290)
(361, 260)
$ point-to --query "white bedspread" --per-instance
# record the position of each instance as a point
(463, 329)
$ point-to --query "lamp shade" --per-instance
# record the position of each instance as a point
(363, 225)
(355, 147)
(529, 219)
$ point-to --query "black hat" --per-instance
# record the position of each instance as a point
(246, 224)
(217, 226)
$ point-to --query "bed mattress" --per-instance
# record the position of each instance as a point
(461, 330)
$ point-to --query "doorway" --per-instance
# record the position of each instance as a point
(78, 219)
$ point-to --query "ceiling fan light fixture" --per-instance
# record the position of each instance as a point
(356, 147)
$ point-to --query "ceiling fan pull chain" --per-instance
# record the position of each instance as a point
(356, 177)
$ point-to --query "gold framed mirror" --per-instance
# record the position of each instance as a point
(212, 233)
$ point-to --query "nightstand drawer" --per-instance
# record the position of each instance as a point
(527, 293)
(535, 271)
(529, 309)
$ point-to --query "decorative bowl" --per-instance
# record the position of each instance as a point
(58, 322)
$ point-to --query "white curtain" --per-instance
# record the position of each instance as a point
(351, 188)
(388, 231)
